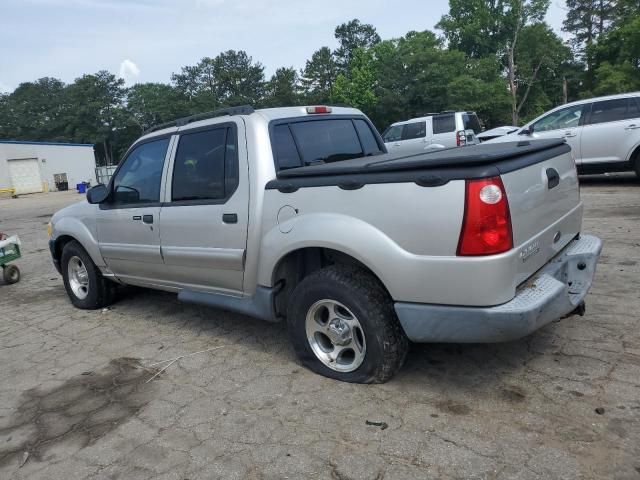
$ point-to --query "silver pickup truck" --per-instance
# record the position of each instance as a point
(300, 214)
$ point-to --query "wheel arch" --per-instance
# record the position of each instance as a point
(68, 229)
(299, 263)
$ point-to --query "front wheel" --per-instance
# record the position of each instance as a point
(343, 325)
(85, 286)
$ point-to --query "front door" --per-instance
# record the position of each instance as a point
(204, 218)
(564, 123)
(128, 223)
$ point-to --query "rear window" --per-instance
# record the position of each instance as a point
(444, 123)
(322, 141)
(471, 122)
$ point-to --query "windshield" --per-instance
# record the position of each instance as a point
(322, 141)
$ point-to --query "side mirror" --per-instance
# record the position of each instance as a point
(97, 194)
(526, 131)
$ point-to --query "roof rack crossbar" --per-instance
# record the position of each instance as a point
(180, 122)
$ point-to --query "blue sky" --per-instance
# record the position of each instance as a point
(147, 40)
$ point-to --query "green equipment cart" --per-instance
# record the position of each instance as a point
(9, 252)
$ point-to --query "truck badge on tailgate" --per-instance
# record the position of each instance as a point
(530, 250)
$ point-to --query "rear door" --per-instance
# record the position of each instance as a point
(205, 215)
(128, 233)
(611, 131)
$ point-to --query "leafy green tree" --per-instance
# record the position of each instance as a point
(229, 79)
(34, 111)
(319, 76)
(97, 114)
(282, 89)
(351, 37)
(150, 104)
(357, 86)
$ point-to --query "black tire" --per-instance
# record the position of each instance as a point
(100, 291)
(11, 274)
(362, 294)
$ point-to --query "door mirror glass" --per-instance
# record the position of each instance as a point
(97, 194)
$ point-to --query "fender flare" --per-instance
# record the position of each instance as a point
(74, 228)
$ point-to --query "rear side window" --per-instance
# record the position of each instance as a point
(414, 130)
(444, 123)
(471, 122)
(613, 110)
(285, 147)
(205, 166)
(303, 143)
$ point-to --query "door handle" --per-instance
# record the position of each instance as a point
(147, 219)
(569, 134)
(230, 217)
(633, 126)
(137, 217)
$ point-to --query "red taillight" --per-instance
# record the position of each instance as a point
(486, 227)
(461, 138)
(319, 109)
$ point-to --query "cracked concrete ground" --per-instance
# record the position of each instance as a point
(75, 402)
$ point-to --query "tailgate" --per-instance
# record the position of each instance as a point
(546, 212)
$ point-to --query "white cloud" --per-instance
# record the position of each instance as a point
(129, 71)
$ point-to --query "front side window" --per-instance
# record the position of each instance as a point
(444, 123)
(566, 118)
(138, 180)
(393, 133)
(205, 167)
(414, 130)
(614, 110)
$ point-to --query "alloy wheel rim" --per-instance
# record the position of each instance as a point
(335, 335)
(78, 277)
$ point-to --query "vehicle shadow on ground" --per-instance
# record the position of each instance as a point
(441, 365)
(616, 179)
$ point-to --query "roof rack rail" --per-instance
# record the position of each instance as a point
(221, 112)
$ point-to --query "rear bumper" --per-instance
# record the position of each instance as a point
(553, 292)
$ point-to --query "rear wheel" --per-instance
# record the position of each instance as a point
(10, 274)
(85, 286)
(343, 325)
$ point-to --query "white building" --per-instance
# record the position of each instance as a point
(30, 167)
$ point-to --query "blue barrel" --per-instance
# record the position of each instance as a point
(81, 187)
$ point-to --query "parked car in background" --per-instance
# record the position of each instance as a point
(434, 131)
(299, 215)
(604, 132)
(496, 132)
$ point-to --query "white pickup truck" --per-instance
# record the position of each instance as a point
(300, 214)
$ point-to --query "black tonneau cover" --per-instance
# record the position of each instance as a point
(471, 156)
(425, 169)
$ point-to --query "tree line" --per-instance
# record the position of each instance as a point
(496, 57)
